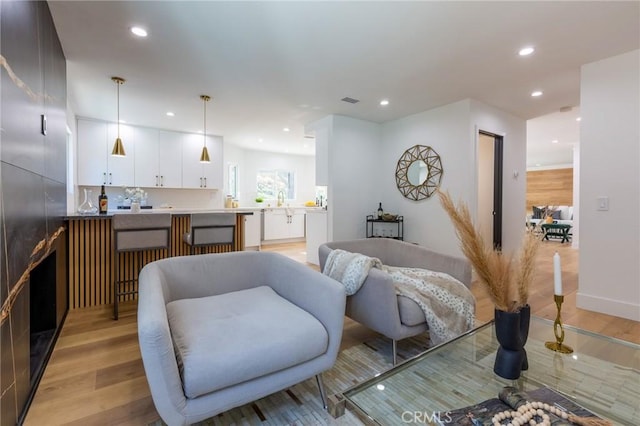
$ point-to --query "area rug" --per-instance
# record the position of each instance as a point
(301, 404)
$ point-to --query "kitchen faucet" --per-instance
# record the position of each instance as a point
(280, 198)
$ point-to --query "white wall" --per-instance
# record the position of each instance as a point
(362, 159)
(609, 278)
(353, 173)
(444, 129)
(452, 131)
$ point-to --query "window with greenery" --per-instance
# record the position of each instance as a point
(271, 182)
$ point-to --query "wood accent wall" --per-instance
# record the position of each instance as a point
(549, 188)
(91, 257)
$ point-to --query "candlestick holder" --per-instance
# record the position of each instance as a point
(558, 346)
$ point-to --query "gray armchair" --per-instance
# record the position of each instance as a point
(376, 305)
(219, 330)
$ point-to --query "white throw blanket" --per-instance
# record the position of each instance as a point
(448, 305)
(351, 269)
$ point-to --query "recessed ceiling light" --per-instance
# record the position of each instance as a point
(536, 93)
(554, 141)
(579, 119)
(384, 102)
(261, 140)
(170, 114)
(538, 164)
(526, 51)
(140, 32)
(286, 129)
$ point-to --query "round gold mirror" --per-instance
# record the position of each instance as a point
(419, 172)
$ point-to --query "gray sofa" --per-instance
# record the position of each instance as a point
(219, 330)
(376, 304)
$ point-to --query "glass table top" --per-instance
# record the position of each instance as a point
(602, 375)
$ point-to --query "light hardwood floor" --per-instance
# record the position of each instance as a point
(95, 375)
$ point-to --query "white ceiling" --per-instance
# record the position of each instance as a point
(270, 65)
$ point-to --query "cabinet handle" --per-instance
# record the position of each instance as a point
(156, 180)
(104, 178)
(205, 182)
(200, 182)
(110, 179)
(161, 180)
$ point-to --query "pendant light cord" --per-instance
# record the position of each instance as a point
(118, 109)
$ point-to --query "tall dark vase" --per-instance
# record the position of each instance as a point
(510, 355)
(525, 319)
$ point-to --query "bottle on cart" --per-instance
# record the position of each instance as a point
(380, 211)
(103, 201)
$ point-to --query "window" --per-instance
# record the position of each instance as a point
(271, 182)
(233, 181)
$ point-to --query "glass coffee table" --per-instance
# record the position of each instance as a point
(602, 375)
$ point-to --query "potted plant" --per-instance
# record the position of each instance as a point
(259, 200)
(507, 279)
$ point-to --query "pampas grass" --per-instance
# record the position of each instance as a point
(506, 278)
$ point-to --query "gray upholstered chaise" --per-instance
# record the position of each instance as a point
(376, 304)
(219, 330)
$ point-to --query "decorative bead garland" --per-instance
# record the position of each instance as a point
(531, 413)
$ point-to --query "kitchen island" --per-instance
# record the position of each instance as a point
(91, 256)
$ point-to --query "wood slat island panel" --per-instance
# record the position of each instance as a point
(91, 257)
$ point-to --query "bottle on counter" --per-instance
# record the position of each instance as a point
(380, 211)
(103, 202)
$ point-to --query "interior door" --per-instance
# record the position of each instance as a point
(490, 165)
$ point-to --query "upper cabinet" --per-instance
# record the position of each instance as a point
(158, 159)
(96, 165)
(201, 175)
(155, 158)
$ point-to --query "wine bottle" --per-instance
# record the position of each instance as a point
(103, 201)
(380, 211)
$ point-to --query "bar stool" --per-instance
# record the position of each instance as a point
(136, 233)
(211, 229)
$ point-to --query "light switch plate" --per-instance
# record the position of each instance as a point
(603, 203)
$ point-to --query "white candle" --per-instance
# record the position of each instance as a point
(557, 275)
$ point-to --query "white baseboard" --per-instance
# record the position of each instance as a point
(608, 306)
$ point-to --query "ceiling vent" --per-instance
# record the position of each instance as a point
(309, 137)
(350, 100)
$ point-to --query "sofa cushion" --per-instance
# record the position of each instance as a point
(212, 335)
(538, 212)
(410, 312)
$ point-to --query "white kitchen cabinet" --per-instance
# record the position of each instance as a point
(252, 230)
(96, 165)
(196, 174)
(296, 224)
(281, 224)
(158, 158)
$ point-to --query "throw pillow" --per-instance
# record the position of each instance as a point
(555, 214)
(537, 212)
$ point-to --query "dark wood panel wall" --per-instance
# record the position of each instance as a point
(549, 188)
(32, 180)
(91, 257)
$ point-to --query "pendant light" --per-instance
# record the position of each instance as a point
(118, 147)
(204, 157)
